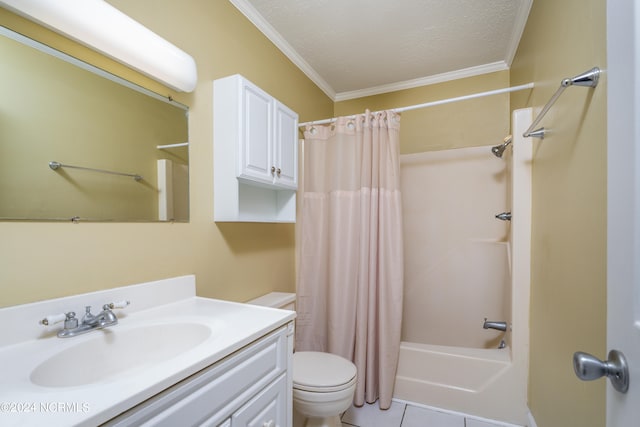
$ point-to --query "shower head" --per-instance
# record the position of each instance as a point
(499, 149)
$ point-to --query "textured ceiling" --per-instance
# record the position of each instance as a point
(354, 48)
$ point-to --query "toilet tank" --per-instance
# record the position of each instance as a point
(283, 300)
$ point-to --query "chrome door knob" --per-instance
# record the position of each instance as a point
(588, 367)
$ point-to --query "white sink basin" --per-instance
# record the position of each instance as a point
(169, 335)
(113, 351)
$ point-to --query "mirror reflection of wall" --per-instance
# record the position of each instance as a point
(52, 110)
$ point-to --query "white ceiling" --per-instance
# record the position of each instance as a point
(354, 48)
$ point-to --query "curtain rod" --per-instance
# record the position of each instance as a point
(440, 102)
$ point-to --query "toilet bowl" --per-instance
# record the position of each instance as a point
(323, 387)
(323, 383)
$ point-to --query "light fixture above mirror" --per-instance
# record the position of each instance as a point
(101, 27)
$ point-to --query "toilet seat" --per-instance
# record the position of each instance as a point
(322, 372)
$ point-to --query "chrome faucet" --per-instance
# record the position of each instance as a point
(499, 326)
(89, 321)
(102, 320)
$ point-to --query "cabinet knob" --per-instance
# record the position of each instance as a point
(273, 169)
(278, 171)
(269, 423)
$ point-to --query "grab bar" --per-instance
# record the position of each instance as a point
(587, 79)
(57, 165)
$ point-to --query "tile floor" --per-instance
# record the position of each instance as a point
(406, 414)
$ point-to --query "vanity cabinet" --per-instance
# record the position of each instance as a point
(255, 145)
(251, 387)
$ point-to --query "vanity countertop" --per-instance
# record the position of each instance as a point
(229, 327)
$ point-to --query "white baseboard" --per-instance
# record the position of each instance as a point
(532, 421)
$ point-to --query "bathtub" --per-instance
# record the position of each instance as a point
(443, 361)
(474, 381)
(443, 368)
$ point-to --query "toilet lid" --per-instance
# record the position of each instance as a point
(315, 371)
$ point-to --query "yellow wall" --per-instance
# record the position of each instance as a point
(568, 287)
(231, 261)
(470, 123)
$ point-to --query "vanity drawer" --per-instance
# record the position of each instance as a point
(267, 408)
(216, 392)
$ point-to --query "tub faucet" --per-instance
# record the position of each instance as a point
(499, 326)
(504, 216)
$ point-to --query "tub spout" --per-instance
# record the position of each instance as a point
(504, 216)
(499, 326)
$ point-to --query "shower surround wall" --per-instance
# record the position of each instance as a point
(461, 265)
(456, 256)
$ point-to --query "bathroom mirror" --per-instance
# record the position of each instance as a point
(119, 151)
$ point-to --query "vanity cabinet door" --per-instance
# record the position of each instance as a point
(256, 154)
(266, 409)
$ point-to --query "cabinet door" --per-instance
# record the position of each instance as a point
(286, 146)
(256, 154)
(267, 409)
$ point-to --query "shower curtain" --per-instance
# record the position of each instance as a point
(351, 262)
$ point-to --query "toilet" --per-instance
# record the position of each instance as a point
(323, 383)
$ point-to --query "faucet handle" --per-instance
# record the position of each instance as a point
(53, 319)
(118, 304)
(70, 321)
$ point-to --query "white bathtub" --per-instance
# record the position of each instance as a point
(474, 381)
(444, 368)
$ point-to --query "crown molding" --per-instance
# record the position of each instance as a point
(256, 19)
(520, 23)
(423, 81)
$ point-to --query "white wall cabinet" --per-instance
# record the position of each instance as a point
(251, 387)
(255, 140)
